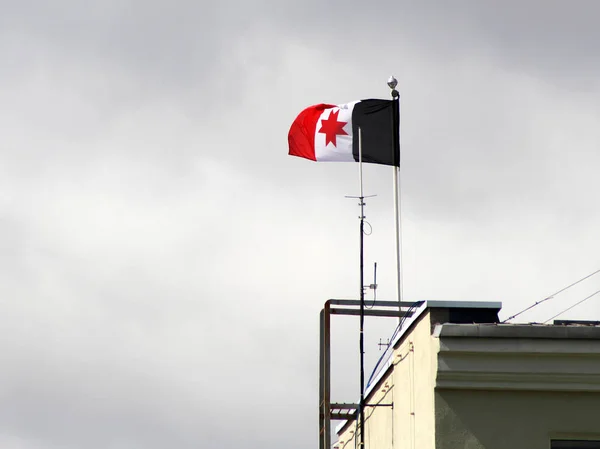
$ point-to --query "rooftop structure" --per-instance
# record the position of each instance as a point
(454, 377)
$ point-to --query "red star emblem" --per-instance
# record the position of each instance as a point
(332, 128)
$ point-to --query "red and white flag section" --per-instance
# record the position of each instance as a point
(326, 132)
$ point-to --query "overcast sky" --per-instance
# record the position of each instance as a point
(163, 260)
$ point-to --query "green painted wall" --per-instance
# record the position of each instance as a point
(513, 419)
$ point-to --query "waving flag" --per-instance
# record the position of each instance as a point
(326, 132)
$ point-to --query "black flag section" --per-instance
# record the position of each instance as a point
(380, 128)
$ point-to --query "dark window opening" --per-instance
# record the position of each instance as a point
(574, 444)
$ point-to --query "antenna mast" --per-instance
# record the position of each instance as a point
(362, 294)
(361, 204)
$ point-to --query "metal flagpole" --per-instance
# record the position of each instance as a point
(392, 83)
(362, 294)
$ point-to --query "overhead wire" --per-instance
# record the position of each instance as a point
(550, 297)
(574, 305)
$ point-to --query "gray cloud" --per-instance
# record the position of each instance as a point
(163, 260)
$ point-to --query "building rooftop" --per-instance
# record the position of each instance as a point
(446, 312)
(533, 330)
(474, 319)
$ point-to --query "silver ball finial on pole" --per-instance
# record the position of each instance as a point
(392, 82)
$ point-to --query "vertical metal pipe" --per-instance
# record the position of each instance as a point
(397, 235)
(321, 380)
(397, 197)
(327, 376)
(362, 298)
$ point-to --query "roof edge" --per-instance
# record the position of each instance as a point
(531, 331)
